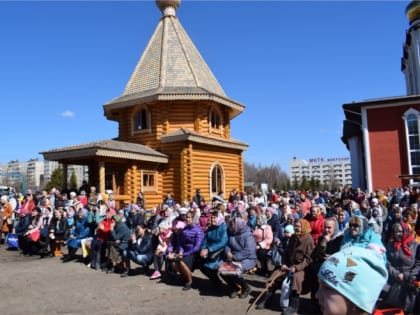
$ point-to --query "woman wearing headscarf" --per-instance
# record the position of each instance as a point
(360, 234)
(403, 254)
(80, 231)
(212, 247)
(240, 249)
(263, 236)
(296, 259)
(316, 220)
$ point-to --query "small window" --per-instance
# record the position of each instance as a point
(149, 181)
(141, 120)
(215, 121)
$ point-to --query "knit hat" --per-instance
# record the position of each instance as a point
(290, 229)
(359, 274)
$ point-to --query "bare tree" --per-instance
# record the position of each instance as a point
(272, 175)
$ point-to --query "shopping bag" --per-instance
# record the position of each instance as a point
(285, 292)
(12, 240)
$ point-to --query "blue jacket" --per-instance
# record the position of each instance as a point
(243, 248)
(23, 224)
(81, 231)
(216, 238)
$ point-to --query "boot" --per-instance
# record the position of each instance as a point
(264, 300)
(293, 307)
(245, 288)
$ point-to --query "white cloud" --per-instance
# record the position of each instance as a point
(67, 114)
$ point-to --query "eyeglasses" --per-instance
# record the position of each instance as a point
(354, 225)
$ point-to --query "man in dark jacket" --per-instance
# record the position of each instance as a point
(140, 249)
(120, 236)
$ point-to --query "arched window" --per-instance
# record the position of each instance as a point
(141, 119)
(411, 118)
(216, 180)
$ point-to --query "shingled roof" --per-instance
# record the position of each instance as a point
(106, 148)
(184, 134)
(171, 68)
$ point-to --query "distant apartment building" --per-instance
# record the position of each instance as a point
(34, 173)
(329, 171)
(49, 168)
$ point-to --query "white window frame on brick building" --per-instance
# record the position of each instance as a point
(412, 132)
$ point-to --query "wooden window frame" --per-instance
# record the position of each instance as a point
(148, 175)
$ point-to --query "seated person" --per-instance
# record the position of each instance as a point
(120, 236)
(57, 228)
(214, 241)
(186, 243)
(164, 240)
(241, 249)
(80, 231)
(140, 249)
(102, 235)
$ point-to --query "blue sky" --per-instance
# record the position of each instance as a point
(293, 64)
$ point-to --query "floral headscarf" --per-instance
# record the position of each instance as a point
(407, 238)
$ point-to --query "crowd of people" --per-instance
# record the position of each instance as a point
(348, 249)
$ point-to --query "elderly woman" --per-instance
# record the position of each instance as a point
(403, 254)
(360, 234)
(240, 249)
(213, 246)
(296, 259)
(263, 236)
(80, 231)
(316, 220)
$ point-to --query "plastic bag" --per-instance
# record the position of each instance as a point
(275, 256)
(12, 240)
(285, 292)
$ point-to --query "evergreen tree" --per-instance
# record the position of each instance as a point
(304, 185)
(56, 179)
(73, 181)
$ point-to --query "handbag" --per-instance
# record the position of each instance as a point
(214, 255)
(12, 240)
(34, 235)
(230, 269)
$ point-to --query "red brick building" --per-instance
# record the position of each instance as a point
(382, 135)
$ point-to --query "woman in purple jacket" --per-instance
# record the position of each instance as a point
(186, 243)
